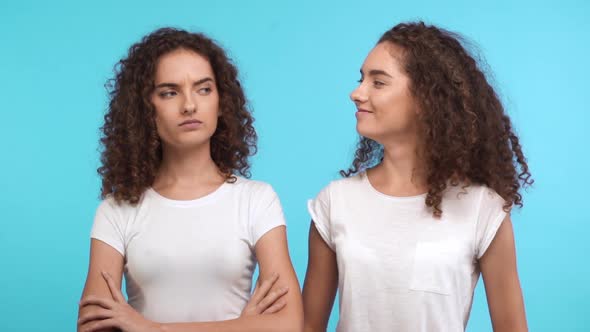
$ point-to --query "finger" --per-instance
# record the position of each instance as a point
(271, 298)
(265, 286)
(105, 303)
(99, 325)
(97, 314)
(276, 307)
(115, 291)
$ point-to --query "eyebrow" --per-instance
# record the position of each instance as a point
(174, 85)
(376, 72)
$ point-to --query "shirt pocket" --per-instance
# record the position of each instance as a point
(434, 267)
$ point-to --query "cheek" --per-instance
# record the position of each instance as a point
(214, 103)
(213, 110)
(212, 122)
(164, 120)
(395, 106)
(161, 128)
(382, 103)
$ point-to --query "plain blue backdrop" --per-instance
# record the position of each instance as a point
(298, 62)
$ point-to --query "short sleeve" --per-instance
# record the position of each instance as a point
(267, 212)
(490, 216)
(108, 226)
(319, 209)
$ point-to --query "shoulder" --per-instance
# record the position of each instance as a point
(344, 185)
(349, 182)
(109, 205)
(111, 208)
(474, 197)
(470, 192)
(248, 186)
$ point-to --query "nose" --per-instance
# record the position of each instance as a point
(358, 95)
(189, 106)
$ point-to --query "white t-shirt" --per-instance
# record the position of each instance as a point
(399, 268)
(189, 261)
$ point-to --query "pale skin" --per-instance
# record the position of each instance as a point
(187, 110)
(388, 115)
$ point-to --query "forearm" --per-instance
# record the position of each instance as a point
(82, 311)
(278, 322)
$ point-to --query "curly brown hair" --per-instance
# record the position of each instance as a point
(131, 147)
(468, 138)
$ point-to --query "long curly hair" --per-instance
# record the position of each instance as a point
(131, 147)
(466, 135)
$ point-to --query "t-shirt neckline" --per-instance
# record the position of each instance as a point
(367, 182)
(210, 197)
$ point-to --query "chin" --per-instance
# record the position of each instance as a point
(192, 142)
(366, 132)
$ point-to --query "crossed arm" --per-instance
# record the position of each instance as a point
(278, 310)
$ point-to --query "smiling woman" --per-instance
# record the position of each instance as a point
(425, 207)
(179, 219)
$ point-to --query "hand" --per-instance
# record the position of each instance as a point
(115, 313)
(263, 301)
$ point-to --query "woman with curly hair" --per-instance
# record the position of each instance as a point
(179, 218)
(425, 206)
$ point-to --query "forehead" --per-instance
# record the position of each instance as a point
(384, 56)
(181, 64)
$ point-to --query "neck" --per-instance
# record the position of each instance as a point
(187, 167)
(402, 171)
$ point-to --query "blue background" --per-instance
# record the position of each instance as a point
(298, 62)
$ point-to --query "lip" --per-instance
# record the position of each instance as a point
(360, 111)
(190, 122)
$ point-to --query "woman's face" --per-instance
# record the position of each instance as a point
(385, 106)
(186, 99)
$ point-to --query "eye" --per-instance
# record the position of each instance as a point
(360, 80)
(167, 94)
(204, 91)
(378, 84)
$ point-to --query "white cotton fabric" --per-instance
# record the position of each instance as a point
(189, 261)
(400, 268)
